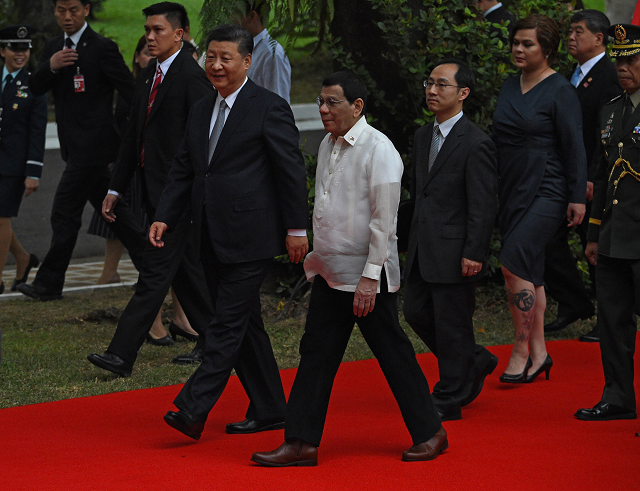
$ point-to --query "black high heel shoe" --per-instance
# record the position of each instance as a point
(176, 331)
(33, 262)
(518, 378)
(163, 341)
(545, 367)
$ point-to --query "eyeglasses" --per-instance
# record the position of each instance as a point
(439, 86)
(329, 102)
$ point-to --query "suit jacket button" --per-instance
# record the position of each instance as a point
(207, 174)
(615, 201)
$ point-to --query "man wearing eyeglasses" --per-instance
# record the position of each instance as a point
(454, 185)
(356, 276)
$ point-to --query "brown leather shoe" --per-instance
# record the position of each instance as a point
(292, 452)
(428, 450)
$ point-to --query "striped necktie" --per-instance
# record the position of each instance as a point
(435, 146)
(217, 129)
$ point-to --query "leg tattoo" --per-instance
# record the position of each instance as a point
(523, 301)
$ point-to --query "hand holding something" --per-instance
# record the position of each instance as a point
(365, 296)
(575, 213)
(589, 191)
(108, 205)
(297, 247)
(156, 232)
(63, 58)
(592, 252)
(470, 268)
(30, 186)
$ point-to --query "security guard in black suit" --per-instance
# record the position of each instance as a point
(614, 228)
(23, 123)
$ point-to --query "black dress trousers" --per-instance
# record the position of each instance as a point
(329, 324)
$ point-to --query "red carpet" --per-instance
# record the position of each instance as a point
(512, 437)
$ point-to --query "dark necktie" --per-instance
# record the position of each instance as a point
(435, 146)
(152, 98)
(7, 88)
(627, 111)
(217, 129)
(68, 43)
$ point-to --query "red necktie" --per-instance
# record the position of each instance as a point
(152, 97)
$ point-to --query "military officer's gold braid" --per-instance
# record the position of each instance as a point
(626, 169)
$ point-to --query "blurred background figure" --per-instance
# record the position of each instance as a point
(23, 124)
(270, 66)
(496, 13)
(537, 128)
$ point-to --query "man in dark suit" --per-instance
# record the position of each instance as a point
(454, 184)
(82, 69)
(165, 92)
(614, 227)
(596, 84)
(240, 167)
(496, 13)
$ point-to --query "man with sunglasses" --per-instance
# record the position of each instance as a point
(356, 276)
(454, 184)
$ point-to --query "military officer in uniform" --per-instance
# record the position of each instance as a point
(23, 123)
(614, 229)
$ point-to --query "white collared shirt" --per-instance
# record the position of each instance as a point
(446, 126)
(356, 203)
(75, 37)
(165, 65)
(495, 7)
(588, 65)
(230, 100)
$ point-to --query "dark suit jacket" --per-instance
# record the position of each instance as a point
(184, 84)
(86, 125)
(23, 126)
(455, 203)
(499, 16)
(615, 213)
(254, 188)
(596, 89)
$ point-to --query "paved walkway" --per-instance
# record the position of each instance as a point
(81, 276)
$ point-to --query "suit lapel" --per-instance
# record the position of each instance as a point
(167, 81)
(451, 142)
(241, 108)
(422, 163)
(147, 75)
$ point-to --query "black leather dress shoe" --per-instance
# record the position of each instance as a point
(451, 415)
(33, 262)
(253, 426)
(163, 341)
(561, 322)
(38, 292)
(196, 356)
(177, 331)
(478, 383)
(185, 423)
(111, 362)
(603, 411)
(593, 336)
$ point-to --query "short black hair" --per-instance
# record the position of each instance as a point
(262, 7)
(464, 76)
(175, 13)
(352, 86)
(234, 34)
(595, 21)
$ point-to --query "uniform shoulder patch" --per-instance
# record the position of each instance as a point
(614, 99)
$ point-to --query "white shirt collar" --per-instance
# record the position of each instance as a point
(446, 126)
(351, 136)
(164, 66)
(260, 37)
(75, 37)
(231, 98)
(495, 7)
(588, 65)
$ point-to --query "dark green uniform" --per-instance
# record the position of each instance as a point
(615, 226)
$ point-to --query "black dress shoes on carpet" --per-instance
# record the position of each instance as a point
(33, 262)
(184, 423)
(176, 331)
(478, 383)
(603, 411)
(428, 450)
(518, 378)
(593, 336)
(38, 292)
(113, 363)
(450, 414)
(196, 356)
(293, 452)
(253, 426)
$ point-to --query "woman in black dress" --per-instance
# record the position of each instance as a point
(537, 128)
